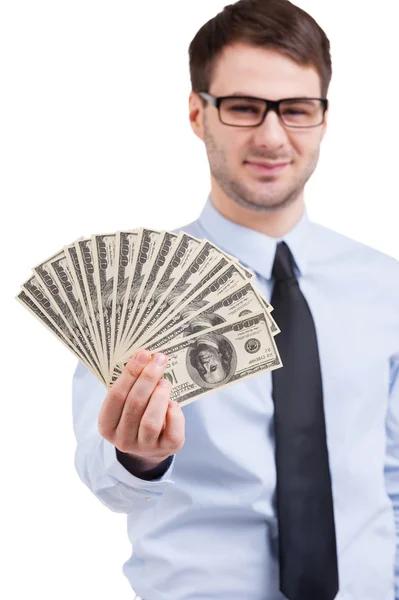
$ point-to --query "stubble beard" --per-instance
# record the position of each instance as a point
(261, 200)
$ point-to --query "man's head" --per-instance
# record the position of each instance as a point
(267, 49)
(208, 362)
(211, 357)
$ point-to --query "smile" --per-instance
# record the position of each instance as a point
(267, 168)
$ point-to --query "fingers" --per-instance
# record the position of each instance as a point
(112, 407)
(172, 438)
(138, 399)
(137, 415)
(154, 417)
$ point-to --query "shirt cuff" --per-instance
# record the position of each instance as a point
(118, 471)
(135, 466)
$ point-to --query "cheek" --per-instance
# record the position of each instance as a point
(236, 147)
(305, 144)
(218, 368)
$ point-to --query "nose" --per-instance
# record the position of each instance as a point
(204, 362)
(271, 132)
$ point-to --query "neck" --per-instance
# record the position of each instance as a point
(274, 223)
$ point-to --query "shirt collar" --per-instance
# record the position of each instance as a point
(254, 249)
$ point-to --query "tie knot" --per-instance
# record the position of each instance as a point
(283, 267)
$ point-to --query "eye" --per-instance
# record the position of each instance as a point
(294, 111)
(244, 109)
(213, 368)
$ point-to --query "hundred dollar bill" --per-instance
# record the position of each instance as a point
(164, 246)
(172, 303)
(173, 277)
(220, 285)
(117, 371)
(33, 289)
(235, 277)
(216, 359)
(182, 254)
(63, 277)
(195, 317)
(71, 255)
(204, 265)
(34, 309)
(34, 298)
(45, 276)
(247, 272)
(84, 252)
(124, 252)
(250, 274)
(274, 328)
(144, 251)
(104, 246)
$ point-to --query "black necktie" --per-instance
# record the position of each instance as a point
(307, 543)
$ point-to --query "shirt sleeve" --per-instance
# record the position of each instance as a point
(392, 460)
(135, 466)
(95, 458)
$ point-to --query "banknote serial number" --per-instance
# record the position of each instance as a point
(257, 359)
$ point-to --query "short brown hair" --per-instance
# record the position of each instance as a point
(275, 24)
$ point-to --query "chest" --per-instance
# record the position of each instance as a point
(356, 329)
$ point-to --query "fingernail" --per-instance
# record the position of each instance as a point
(159, 359)
(142, 357)
(165, 382)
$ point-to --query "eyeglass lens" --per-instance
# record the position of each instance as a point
(249, 112)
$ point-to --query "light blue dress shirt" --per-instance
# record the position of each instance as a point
(207, 529)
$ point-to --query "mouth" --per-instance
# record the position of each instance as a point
(267, 167)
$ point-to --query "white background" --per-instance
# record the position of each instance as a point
(95, 137)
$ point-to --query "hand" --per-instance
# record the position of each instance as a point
(137, 415)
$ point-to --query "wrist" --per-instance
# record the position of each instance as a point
(142, 467)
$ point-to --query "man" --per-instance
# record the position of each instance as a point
(211, 357)
(285, 485)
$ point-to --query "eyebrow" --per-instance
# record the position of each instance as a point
(303, 98)
(252, 96)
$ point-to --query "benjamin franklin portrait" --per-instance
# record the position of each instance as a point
(211, 360)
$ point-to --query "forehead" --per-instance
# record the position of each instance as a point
(205, 350)
(262, 72)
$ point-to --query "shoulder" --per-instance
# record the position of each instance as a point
(363, 281)
(357, 255)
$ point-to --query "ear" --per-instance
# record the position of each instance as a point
(196, 115)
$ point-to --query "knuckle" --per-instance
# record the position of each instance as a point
(116, 396)
(176, 442)
(164, 389)
(124, 445)
(132, 368)
(133, 406)
(150, 427)
(130, 419)
(148, 376)
(126, 449)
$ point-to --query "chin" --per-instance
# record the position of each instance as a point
(256, 204)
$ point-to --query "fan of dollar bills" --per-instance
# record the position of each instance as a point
(108, 295)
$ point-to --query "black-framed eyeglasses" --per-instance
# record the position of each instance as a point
(247, 111)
